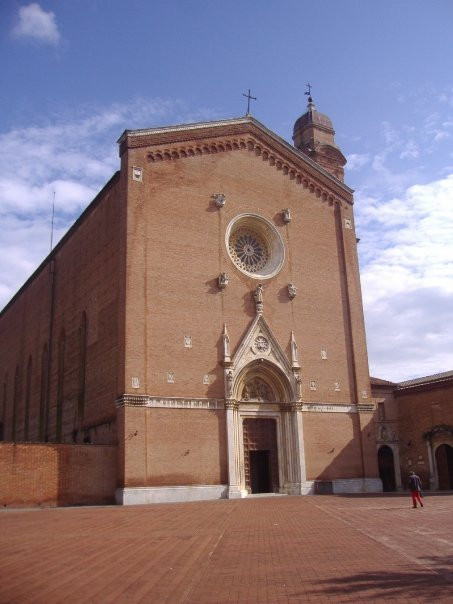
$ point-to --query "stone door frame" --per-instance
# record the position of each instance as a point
(290, 449)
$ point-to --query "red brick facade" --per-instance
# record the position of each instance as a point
(118, 338)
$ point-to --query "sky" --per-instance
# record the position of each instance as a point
(76, 73)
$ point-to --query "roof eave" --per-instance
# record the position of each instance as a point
(238, 121)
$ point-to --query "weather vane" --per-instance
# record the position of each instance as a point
(248, 96)
(309, 86)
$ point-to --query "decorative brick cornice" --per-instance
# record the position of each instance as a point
(330, 407)
(365, 408)
(247, 134)
(143, 400)
(131, 400)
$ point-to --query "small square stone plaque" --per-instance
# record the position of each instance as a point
(137, 174)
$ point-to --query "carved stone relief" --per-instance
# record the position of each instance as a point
(258, 297)
(222, 280)
(292, 291)
(257, 390)
(386, 433)
(219, 199)
(261, 344)
(286, 215)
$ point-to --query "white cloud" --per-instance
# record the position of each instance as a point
(410, 150)
(37, 24)
(440, 135)
(357, 160)
(73, 157)
(407, 279)
(391, 135)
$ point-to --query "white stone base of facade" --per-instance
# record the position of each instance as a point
(180, 494)
(308, 487)
(346, 485)
(357, 485)
(295, 488)
(236, 493)
(176, 494)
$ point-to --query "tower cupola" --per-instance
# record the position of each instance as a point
(313, 134)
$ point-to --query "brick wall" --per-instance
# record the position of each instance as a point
(173, 446)
(421, 409)
(57, 475)
(79, 284)
(333, 449)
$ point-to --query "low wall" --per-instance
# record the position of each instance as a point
(47, 474)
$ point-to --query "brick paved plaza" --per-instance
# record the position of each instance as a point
(262, 549)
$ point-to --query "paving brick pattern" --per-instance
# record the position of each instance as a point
(260, 550)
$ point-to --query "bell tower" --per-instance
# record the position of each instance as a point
(313, 134)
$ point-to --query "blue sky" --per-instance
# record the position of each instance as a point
(76, 73)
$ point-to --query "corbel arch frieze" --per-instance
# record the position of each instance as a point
(280, 163)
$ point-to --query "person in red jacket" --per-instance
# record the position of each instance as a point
(415, 485)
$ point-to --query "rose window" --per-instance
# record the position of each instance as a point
(248, 250)
(254, 246)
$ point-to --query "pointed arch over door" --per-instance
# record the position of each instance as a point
(262, 381)
(265, 436)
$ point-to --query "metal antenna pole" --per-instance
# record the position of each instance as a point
(51, 228)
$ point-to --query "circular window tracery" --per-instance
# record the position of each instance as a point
(248, 250)
(254, 246)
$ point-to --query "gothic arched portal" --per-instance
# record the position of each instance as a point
(265, 436)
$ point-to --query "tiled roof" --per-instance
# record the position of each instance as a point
(436, 377)
(378, 382)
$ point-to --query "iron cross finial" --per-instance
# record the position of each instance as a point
(309, 86)
(248, 96)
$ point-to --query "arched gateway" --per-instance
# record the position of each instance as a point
(264, 415)
(444, 464)
(387, 468)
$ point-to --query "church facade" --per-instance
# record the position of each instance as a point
(204, 315)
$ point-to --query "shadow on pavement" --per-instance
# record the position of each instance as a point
(436, 583)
